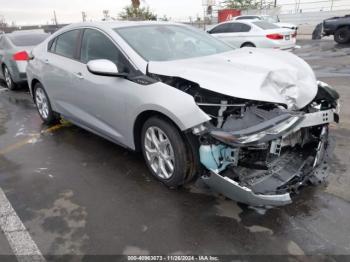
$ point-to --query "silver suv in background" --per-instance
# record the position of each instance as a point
(14, 54)
(252, 123)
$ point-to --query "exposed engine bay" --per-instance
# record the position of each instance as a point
(259, 153)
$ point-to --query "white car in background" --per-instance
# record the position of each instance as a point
(267, 18)
(254, 33)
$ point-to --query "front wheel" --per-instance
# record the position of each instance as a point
(43, 105)
(165, 152)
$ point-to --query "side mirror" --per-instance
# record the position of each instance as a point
(104, 67)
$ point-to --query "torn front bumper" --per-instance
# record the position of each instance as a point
(273, 187)
(283, 176)
(234, 191)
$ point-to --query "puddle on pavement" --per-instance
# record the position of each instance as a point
(62, 226)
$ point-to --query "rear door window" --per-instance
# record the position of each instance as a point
(66, 44)
(238, 28)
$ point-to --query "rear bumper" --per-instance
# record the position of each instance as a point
(18, 71)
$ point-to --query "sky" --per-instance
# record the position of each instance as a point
(27, 12)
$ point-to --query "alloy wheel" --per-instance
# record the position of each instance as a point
(42, 103)
(159, 153)
(8, 78)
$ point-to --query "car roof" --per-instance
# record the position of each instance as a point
(118, 24)
(245, 21)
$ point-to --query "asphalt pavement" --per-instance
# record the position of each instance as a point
(78, 194)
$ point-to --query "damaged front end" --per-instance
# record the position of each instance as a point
(260, 153)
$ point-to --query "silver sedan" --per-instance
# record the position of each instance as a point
(14, 54)
(251, 123)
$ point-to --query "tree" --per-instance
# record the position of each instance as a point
(135, 3)
(137, 13)
(241, 4)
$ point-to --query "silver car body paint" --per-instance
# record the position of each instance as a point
(245, 73)
(109, 106)
(123, 100)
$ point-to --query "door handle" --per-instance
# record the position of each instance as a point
(46, 61)
(79, 75)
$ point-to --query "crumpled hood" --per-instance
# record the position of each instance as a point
(249, 73)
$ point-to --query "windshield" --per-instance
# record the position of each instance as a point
(170, 42)
(265, 25)
(27, 40)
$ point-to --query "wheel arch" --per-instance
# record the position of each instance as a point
(140, 121)
(32, 84)
(248, 42)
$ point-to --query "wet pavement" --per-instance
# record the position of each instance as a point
(77, 193)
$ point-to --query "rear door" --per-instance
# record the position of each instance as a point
(58, 65)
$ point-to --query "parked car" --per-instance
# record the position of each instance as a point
(14, 54)
(251, 123)
(268, 18)
(254, 33)
(339, 27)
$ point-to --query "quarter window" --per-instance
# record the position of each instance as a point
(66, 44)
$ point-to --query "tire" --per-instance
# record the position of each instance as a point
(342, 35)
(247, 45)
(8, 79)
(172, 150)
(43, 105)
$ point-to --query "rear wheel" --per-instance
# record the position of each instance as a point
(8, 79)
(43, 105)
(342, 35)
(165, 152)
(247, 45)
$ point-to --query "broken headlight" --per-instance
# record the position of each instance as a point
(268, 131)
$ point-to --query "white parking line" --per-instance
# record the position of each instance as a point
(2, 89)
(21, 243)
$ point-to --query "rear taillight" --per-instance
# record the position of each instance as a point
(294, 35)
(21, 56)
(275, 36)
